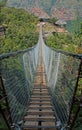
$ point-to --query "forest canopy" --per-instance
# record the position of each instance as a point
(20, 29)
(70, 41)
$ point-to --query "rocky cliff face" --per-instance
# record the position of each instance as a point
(45, 5)
(61, 9)
(37, 7)
(67, 9)
(39, 12)
(63, 13)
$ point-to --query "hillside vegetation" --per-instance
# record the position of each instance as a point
(21, 33)
(66, 41)
(20, 30)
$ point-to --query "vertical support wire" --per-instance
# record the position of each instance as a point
(4, 97)
(73, 99)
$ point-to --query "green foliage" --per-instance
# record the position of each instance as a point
(78, 121)
(52, 20)
(3, 3)
(20, 34)
(20, 31)
(74, 26)
(66, 41)
(2, 124)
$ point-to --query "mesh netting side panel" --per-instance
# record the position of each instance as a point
(78, 122)
(62, 72)
(18, 74)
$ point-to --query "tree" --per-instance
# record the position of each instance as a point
(2, 4)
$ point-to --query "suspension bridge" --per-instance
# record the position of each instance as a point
(40, 88)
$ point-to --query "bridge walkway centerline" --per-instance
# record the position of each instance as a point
(40, 112)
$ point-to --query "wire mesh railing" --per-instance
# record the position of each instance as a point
(18, 70)
(62, 72)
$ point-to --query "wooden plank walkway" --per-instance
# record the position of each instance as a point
(40, 114)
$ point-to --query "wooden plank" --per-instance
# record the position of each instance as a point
(40, 113)
(40, 103)
(39, 96)
(40, 89)
(35, 123)
(26, 127)
(45, 118)
(40, 99)
(46, 94)
(49, 102)
(40, 86)
(40, 92)
(40, 107)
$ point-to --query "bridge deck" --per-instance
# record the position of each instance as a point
(40, 113)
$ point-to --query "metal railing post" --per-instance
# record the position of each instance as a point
(4, 97)
(73, 100)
